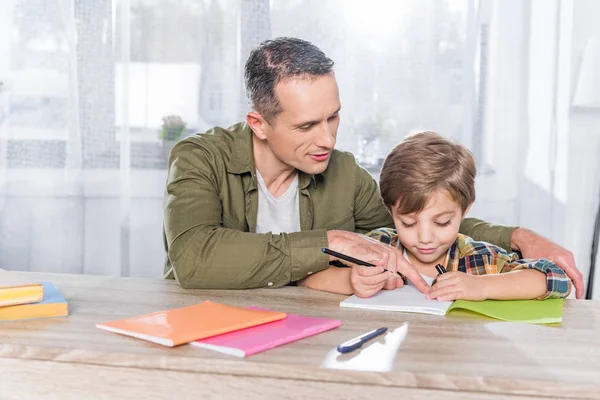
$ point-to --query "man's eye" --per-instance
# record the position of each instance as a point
(305, 127)
(408, 225)
(443, 223)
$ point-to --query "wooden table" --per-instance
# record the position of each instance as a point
(459, 356)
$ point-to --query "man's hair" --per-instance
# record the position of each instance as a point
(276, 60)
(422, 164)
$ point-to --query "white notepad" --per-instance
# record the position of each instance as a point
(406, 299)
(409, 299)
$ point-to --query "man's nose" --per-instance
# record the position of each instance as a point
(325, 137)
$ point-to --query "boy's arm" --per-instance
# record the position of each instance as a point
(496, 274)
(333, 279)
(556, 283)
(516, 285)
(528, 243)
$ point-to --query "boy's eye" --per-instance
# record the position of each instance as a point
(408, 225)
(443, 223)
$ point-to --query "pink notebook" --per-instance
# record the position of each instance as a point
(253, 340)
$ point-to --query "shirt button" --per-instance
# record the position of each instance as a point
(270, 284)
(309, 272)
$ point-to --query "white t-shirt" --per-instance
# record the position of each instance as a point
(277, 215)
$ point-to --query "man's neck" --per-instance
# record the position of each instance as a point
(277, 176)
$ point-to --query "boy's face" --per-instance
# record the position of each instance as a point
(428, 234)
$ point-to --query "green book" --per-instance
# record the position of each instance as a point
(409, 299)
(530, 311)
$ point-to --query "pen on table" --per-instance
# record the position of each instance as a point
(350, 259)
(357, 342)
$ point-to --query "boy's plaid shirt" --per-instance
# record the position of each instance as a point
(482, 258)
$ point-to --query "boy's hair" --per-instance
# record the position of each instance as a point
(422, 164)
(276, 60)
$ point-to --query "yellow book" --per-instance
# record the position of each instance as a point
(52, 305)
(14, 289)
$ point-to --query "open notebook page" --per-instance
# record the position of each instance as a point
(406, 299)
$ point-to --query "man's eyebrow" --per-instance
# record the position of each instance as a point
(336, 111)
(314, 121)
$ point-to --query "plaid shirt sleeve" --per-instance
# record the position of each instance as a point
(558, 284)
(384, 235)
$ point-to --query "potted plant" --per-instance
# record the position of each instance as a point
(173, 128)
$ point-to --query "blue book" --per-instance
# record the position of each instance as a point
(52, 305)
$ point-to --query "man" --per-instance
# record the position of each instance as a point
(252, 205)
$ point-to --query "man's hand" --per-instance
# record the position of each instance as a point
(377, 253)
(457, 285)
(532, 245)
(366, 281)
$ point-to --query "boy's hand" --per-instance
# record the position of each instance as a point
(393, 282)
(366, 281)
(457, 285)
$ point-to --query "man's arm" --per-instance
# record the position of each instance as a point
(204, 254)
(482, 231)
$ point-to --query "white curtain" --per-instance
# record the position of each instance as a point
(85, 86)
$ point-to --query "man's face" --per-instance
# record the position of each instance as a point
(303, 134)
(428, 234)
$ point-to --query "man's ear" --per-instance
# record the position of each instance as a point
(467, 210)
(257, 123)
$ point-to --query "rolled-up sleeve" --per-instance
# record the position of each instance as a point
(558, 284)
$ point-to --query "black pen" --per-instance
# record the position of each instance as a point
(352, 259)
(440, 270)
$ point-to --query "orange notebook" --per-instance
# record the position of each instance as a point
(186, 324)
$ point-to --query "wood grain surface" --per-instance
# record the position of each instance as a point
(460, 356)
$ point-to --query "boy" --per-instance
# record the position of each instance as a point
(428, 184)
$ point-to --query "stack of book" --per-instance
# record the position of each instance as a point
(21, 299)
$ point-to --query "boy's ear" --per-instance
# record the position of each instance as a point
(257, 123)
(467, 210)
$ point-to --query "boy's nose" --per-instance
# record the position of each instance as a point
(425, 236)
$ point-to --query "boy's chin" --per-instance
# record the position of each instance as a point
(427, 258)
